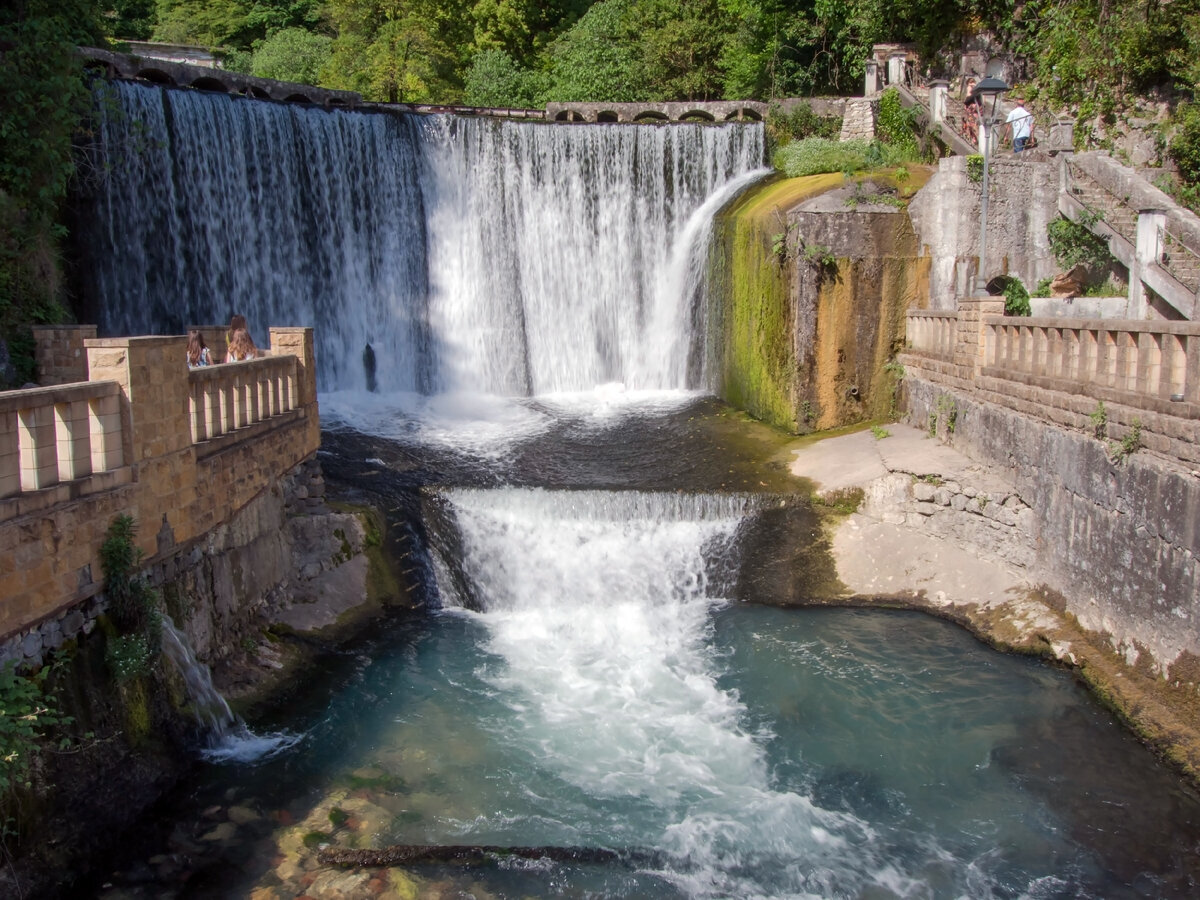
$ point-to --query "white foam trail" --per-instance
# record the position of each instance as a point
(598, 605)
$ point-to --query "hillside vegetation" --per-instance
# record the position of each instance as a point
(1090, 59)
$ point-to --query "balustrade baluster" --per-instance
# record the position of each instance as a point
(10, 455)
(107, 442)
(73, 439)
(39, 447)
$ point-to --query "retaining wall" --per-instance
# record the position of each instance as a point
(1117, 520)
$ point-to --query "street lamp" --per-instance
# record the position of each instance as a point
(987, 97)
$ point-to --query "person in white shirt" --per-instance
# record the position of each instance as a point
(1020, 126)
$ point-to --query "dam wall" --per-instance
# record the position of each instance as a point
(1097, 423)
(811, 278)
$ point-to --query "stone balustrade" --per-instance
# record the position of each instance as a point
(52, 435)
(180, 450)
(1149, 359)
(225, 398)
(1145, 372)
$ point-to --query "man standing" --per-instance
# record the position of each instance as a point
(1020, 125)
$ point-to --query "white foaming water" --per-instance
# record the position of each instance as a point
(599, 605)
(229, 740)
(477, 256)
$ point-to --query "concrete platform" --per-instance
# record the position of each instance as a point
(883, 552)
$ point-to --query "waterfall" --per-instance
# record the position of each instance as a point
(227, 738)
(505, 257)
(597, 610)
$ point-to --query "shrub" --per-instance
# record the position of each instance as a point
(1016, 298)
(815, 156)
(1073, 243)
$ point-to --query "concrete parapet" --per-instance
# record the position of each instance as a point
(1148, 369)
(179, 450)
(59, 353)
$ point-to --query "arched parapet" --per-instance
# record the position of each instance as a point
(154, 75)
(744, 114)
(608, 115)
(696, 115)
(650, 117)
(210, 83)
(297, 97)
(254, 92)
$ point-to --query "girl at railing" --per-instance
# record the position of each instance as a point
(197, 350)
(241, 347)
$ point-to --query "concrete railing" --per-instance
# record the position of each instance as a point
(179, 450)
(227, 397)
(932, 331)
(1149, 359)
(51, 435)
(1146, 373)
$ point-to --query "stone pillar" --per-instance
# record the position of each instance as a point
(971, 347)
(60, 354)
(871, 78)
(153, 375)
(858, 122)
(938, 89)
(1062, 135)
(895, 68)
(298, 342)
(1148, 252)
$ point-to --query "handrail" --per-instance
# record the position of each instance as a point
(228, 396)
(55, 434)
(1149, 359)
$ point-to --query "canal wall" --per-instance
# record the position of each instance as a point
(1097, 424)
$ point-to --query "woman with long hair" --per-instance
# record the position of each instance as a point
(241, 347)
(197, 350)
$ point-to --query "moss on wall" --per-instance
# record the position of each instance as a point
(810, 305)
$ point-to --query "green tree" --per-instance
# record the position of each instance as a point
(395, 51)
(292, 54)
(681, 43)
(43, 98)
(495, 79)
(598, 58)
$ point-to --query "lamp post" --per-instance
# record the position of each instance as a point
(987, 95)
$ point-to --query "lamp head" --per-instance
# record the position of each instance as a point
(987, 95)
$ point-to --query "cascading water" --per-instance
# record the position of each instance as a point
(226, 735)
(588, 682)
(473, 255)
(598, 607)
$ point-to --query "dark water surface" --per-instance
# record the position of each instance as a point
(593, 672)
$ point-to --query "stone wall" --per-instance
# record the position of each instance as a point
(810, 296)
(1116, 520)
(176, 488)
(858, 121)
(60, 353)
(1022, 201)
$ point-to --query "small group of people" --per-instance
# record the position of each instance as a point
(1018, 124)
(239, 345)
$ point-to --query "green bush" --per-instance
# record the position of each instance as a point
(815, 156)
(132, 603)
(1073, 243)
(27, 711)
(1184, 148)
(896, 125)
(1016, 298)
(799, 123)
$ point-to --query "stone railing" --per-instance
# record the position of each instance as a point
(1146, 373)
(225, 398)
(180, 451)
(53, 435)
(1145, 360)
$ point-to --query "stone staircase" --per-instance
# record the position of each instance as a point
(1107, 208)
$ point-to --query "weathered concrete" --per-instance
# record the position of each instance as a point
(1022, 201)
(906, 546)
